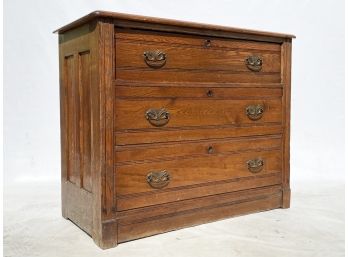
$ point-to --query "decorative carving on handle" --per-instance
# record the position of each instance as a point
(158, 179)
(157, 117)
(254, 112)
(254, 63)
(255, 165)
(155, 59)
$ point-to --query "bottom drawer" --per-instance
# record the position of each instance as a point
(151, 183)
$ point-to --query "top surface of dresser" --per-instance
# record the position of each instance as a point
(121, 19)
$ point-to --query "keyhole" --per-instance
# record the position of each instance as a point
(209, 93)
(210, 149)
(207, 43)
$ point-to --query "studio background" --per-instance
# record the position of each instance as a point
(31, 82)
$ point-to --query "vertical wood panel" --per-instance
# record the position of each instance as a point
(85, 119)
(102, 134)
(286, 101)
(72, 126)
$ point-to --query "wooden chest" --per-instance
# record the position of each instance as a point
(168, 124)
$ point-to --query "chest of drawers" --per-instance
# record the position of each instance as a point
(168, 124)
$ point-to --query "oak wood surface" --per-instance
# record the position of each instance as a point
(286, 78)
(195, 75)
(130, 113)
(109, 147)
(131, 154)
(173, 208)
(213, 92)
(189, 40)
(157, 135)
(131, 179)
(204, 215)
(222, 58)
(135, 201)
(152, 21)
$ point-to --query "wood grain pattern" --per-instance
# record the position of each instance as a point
(131, 179)
(187, 56)
(109, 147)
(169, 75)
(134, 21)
(74, 50)
(212, 92)
(176, 151)
(224, 84)
(179, 207)
(180, 40)
(160, 225)
(134, 201)
(157, 135)
(286, 78)
(130, 113)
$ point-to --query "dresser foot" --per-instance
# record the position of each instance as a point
(108, 237)
(286, 198)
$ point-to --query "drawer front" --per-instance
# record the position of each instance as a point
(185, 113)
(139, 154)
(164, 57)
(175, 176)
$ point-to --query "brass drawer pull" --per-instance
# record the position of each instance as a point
(155, 59)
(157, 117)
(158, 179)
(254, 63)
(254, 112)
(255, 165)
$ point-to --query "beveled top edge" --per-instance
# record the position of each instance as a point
(162, 21)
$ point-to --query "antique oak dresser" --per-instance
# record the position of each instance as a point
(167, 124)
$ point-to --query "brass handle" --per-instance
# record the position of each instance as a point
(158, 179)
(157, 117)
(254, 63)
(254, 112)
(255, 165)
(155, 59)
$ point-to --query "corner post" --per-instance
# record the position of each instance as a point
(104, 231)
(286, 106)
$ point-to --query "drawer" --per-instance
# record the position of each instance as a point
(164, 181)
(165, 57)
(208, 91)
(138, 154)
(185, 113)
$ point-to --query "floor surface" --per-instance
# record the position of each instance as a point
(313, 226)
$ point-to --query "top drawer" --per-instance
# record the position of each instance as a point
(164, 57)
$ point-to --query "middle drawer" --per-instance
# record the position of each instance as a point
(160, 114)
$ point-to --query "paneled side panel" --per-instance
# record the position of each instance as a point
(72, 126)
(85, 121)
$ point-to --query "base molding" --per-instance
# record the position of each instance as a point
(286, 198)
(76, 206)
(161, 225)
(142, 222)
